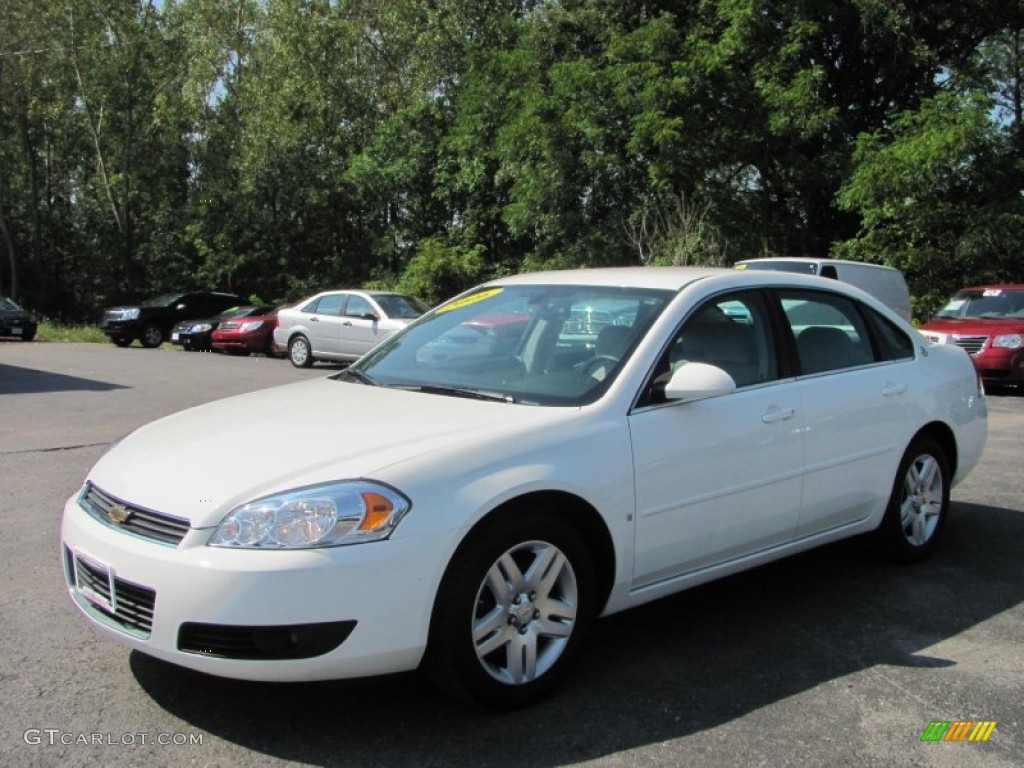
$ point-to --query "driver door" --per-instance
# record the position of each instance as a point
(717, 478)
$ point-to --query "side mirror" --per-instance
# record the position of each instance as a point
(698, 380)
(369, 316)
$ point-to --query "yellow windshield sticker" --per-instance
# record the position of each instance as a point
(741, 266)
(467, 300)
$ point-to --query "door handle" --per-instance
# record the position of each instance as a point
(314, 319)
(891, 389)
(778, 414)
(347, 322)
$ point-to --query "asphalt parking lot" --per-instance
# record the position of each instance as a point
(826, 658)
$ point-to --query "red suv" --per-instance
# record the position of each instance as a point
(987, 321)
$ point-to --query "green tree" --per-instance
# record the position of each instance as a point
(939, 197)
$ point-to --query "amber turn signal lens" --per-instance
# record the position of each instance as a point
(378, 510)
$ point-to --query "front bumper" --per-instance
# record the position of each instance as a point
(251, 342)
(302, 615)
(121, 329)
(997, 366)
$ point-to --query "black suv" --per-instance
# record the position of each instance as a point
(151, 321)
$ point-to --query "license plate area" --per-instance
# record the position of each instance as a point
(16, 331)
(94, 582)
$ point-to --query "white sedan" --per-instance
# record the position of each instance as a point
(628, 433)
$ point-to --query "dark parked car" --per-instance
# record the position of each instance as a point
(243, 334)
(15, 321)
(151, 321)
(197, 335)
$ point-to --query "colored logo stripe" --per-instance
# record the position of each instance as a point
(958, 730)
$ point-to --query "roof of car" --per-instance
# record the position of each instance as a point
(672, 278)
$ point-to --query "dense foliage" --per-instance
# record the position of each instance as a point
(276, 147)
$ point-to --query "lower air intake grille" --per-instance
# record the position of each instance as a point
(121, 603)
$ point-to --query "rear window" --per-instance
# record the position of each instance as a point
(799, 267)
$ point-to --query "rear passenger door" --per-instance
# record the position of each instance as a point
(852, 383)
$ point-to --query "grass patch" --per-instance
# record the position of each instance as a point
(51, 331)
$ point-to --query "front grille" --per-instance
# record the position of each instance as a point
(972, 344)
(123, 603)
(150, 525)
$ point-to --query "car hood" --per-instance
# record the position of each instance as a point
(189, 464)
(974, 325)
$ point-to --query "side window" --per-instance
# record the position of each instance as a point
(830, 332)
(893, 343)
(358, 306)
(331, 304)
(732, 332)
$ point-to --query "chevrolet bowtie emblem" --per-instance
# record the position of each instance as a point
(118, 514)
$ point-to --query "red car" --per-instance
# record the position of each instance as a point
(242, 335)
(988, 322)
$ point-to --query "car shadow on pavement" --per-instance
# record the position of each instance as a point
(676, 667)
(15, 380)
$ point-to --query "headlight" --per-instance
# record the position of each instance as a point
(1009, 341)
(201, 328)
(316, 516)
(251, 325)
(131, 314)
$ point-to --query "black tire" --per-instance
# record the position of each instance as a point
(299, 352)
(507, 651)
(28, 337)
(236, 352)
(122, 342)
(152, 336)
(918, 506)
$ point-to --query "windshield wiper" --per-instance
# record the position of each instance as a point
(358, 375)
(474, 394)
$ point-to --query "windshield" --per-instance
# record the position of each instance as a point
(164, 300)
(235, 312)
(533, 344)
(988, 302)
(8, 304)
(397, 305)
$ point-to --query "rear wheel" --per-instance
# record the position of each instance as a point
(512, 611)
(918, 506)
(299, 352)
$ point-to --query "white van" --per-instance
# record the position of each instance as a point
(884, 283)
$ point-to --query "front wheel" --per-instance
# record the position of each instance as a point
(918, 506)
(152, 336)
(299, 352)
(512, 611)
